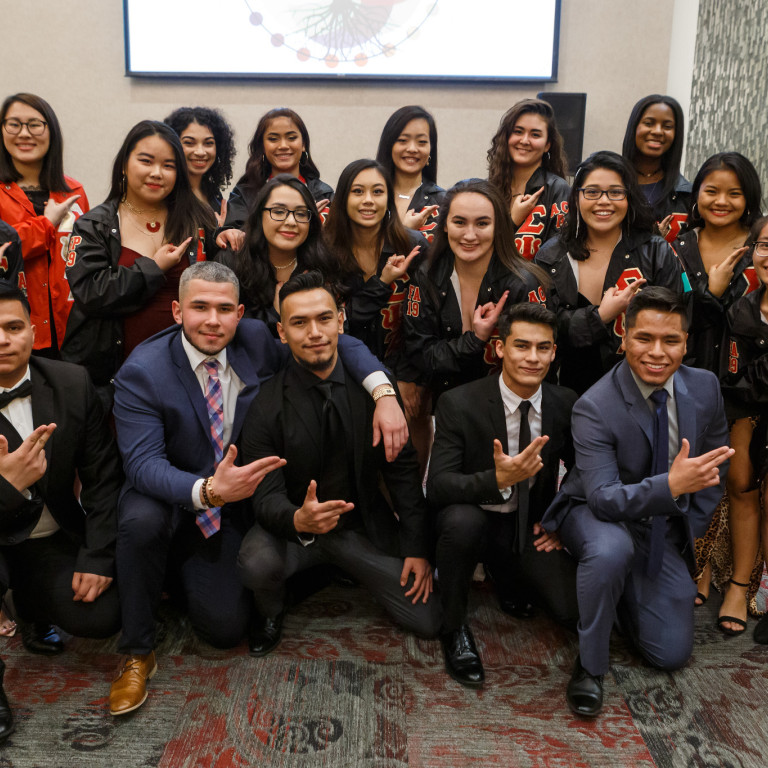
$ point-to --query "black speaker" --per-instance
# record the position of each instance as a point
(570, 109)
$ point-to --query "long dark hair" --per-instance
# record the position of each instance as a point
(251, 263)
(52, 172)
(338, 233)
(503, 232)
(670, 160)
(500, 165)
(639, 216)
(748, 179)
(391, 132)
(220, 173)
(186, 214)
(258, 169)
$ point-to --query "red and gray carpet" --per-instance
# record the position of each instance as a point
(347, 689)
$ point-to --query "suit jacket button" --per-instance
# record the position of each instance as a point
(448, 328)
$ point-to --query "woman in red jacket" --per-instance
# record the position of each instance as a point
(42, 204)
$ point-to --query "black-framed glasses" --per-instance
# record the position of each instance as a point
(280, 213)
(760, 247)
(594, 193)
(35, 127)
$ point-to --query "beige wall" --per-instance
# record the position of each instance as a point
(71, 53)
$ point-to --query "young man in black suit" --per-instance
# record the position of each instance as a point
(492, 474)
(56, 552)
(325, 505)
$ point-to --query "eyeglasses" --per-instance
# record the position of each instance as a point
(760, 247)
(300, 215)
(593, 193)
(13, 126)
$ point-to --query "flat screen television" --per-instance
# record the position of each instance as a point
(387, 40)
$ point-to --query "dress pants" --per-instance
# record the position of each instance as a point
(267, 562)
(152, 534)
(468, 534)
(40, 573)
(657, 613)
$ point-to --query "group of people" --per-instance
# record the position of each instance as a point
(210, 393)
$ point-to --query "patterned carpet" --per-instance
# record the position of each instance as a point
(346, 689)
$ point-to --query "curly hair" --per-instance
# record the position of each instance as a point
(220, 173)
(500, 164)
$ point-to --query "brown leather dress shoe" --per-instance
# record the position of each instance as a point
(129, 688)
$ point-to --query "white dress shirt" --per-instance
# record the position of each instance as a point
(511, 405)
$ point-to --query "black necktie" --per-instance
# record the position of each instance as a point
(522, 486)
(23, 390)
(660, 466)
(333, 483)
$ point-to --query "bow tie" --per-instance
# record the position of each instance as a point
(23, 390)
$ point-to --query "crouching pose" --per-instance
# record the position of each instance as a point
(651, 444)
(493, 472)
(325, 505)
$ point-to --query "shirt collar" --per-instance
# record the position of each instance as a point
(196, 357)
(646, 390)
(309, 379)
(512, 401)
(25, 377)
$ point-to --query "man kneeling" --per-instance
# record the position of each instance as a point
(325, 505)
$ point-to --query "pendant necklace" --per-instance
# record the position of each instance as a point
(152, 226)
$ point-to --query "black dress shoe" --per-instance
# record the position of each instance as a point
(520, 608)
(462, 661)
(6, 716)
(585, 691)
(41, 638)
(761, 631)
(264, 634)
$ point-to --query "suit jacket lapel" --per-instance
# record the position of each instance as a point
(547, 422)
(190, 383)
(42, 413)
(636, 405)
(11, 435)
(243, 366)
(497, 413)
(357, 405)
(686, 414)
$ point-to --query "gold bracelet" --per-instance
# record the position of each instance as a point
(383, 390)
(216, 500)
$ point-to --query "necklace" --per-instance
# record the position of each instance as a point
(285, 266)
(652, 173)
(152, 226)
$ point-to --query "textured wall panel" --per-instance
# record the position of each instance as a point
(729, 94)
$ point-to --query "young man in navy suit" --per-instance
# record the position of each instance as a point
(477, 471)
(180, 401)
(652, 451)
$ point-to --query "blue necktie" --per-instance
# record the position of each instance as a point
(660, 466)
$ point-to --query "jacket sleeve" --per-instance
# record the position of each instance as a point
(100, 288)
(447, 483)
(425, 346)
(11, 261)
(259, 438)
(744, 376)
(366, 303)
(357, 358)
(237, 210)
(101, 476)
(140, 430)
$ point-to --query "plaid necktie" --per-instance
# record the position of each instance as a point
(209, 520)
